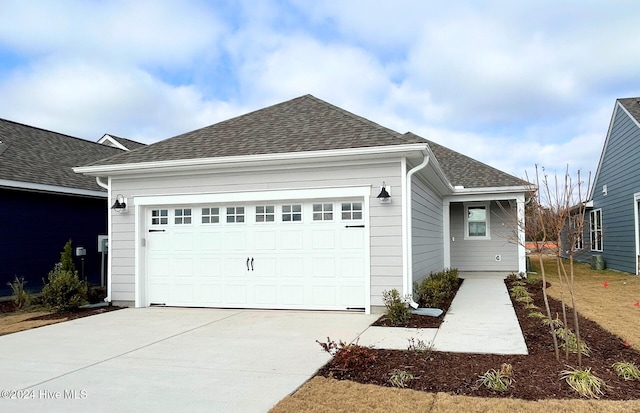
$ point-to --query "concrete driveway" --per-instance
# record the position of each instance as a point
(168, 360)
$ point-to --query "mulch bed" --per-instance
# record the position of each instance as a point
(421, 321)
(537, 375)
(8, 307)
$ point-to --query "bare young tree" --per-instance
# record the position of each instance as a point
(564, 204)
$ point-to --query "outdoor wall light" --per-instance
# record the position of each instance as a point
(120, 204)
(384, 195)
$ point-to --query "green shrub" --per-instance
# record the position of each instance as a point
(519, 291)
(497, 380)
(398, 310)
(626, 370)
(569, 339)
(584, 382)
(400, 378)
(66, 258)
(96, 294)
(64, 290)
(21, 297)
(435, 290)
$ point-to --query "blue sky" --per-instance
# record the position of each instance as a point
(510, 83)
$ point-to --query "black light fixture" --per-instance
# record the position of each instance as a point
(120, 204)
(384, 195)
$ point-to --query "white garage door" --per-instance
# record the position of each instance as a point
(289, 255)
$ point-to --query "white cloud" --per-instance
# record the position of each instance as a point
(508, 83)
(87, 100)
(168, 33)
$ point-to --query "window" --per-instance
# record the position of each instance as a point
(265, 213)
(575, 232)
(235, 214)
(182, 216)
(291, 213)
(159, 217)
(351, 210)
(323, 212)
(477, 221)
(595, 227)
(210, 215)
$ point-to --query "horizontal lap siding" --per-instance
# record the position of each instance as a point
(385, 219)
(619, 170)
(479, 255)
(426, 217)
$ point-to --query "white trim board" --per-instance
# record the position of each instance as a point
(30, 186)
(249, 196)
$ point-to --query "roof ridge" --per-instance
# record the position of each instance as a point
(376, 125)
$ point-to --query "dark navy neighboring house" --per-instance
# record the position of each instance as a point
(43, 203)
(612, 217)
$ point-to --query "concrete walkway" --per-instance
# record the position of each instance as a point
(481, 319)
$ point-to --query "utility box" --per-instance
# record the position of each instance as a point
(103, 243)
(597, 262)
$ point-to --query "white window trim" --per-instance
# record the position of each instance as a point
(182, 217)
(592, 229)
(264, 214)
(487, 206)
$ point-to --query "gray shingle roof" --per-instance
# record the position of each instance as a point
(462, 170)
(33, 155)
(632, 105)
(306, 124)
(302, 124)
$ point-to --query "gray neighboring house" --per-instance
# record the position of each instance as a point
(612, 224)
(281, 208)
(43, 203)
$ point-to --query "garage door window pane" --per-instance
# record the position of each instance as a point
(323, 212)
(265, 213)
(235, 214)
(210, 215)
(351, 210)
(291, 213)
(182, 216)
(159, 217)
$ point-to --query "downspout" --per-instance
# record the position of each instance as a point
(102, 184)
(107, 299)
(407, 282)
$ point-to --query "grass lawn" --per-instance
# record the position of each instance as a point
(612, 307)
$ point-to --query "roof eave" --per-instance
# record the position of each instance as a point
(31, 186)
(229, 161)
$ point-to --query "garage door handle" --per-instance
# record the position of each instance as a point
(156, 230)
(251, 263)
(247, 263)
(354, 226)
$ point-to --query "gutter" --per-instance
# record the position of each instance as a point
(408, 278)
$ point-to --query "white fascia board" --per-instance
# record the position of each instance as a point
(491, 196)
(606, 143)
(230, 161)
(435, 166)
(30, 186)
(114, 142)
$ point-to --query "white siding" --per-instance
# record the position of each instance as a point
(479, 255)
(385, 219)
(426, 216)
